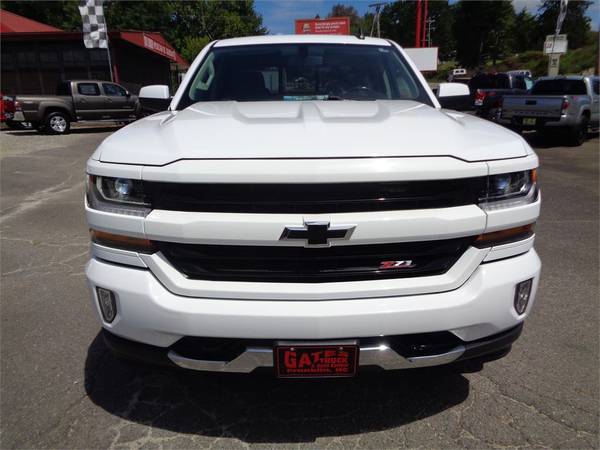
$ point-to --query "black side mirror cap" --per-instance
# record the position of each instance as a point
(457, 102)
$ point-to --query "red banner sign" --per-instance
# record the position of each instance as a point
(331, 25)
(159, 48)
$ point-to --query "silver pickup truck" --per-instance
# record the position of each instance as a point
(568, 103)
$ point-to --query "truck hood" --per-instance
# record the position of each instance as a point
(308, 129)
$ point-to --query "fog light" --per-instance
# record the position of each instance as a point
(108, 305)
(522, 293)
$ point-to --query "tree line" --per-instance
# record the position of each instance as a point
(470, 32)
(474, 32)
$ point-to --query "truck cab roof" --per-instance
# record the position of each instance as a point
(569, 77)
(302, 39)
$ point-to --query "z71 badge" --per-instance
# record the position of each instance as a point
(404, 264)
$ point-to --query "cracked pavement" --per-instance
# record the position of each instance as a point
(60, 388)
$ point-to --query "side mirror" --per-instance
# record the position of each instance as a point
(155, 97)
(127, 94)
(454, 96)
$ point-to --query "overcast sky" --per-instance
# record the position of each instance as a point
(279, 15)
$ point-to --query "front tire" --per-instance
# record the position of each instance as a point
(578, 133)
(57, 123)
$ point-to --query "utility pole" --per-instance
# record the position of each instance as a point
(430, 28)
(418, 26)
(425, 19)
(377, 7)
(554, 58)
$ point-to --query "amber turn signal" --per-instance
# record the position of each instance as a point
(504, 236)
(122, 242)
(534, 176)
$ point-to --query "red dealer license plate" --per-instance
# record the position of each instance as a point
(316, 360)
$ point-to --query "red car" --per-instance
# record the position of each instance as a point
(7, 108)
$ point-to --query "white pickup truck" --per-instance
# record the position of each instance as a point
(305, 206)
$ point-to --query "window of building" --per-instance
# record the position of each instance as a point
(48, 58)
(98, 56)
(74, 57)
(26, 59)
(7, 61)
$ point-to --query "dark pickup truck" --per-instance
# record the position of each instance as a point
(488, 89)
(77, 100)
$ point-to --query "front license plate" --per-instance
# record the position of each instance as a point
(529, 121)
(313, 361)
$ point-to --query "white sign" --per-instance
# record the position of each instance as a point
(425, 58)
(556, 45)
(553, 64)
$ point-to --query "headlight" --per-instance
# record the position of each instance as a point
(117, 195)
(510, 189)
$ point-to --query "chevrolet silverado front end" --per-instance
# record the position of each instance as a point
(305, 204)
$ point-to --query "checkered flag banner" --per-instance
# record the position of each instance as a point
(94, 26)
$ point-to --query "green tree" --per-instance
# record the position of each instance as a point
(524, 32)
(341, 10)
(62, 14)
(576, 24)
(482, 30)
(192, 45)
(138, 15)
(212, 20)
(398, 22)
(442, 35)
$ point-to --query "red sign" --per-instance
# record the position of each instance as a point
(159, 48)
(331, 25)
(316, 360)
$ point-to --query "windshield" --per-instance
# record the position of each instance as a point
(304, 72)
(559, 87)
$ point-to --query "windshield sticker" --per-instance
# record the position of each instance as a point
(297, 98)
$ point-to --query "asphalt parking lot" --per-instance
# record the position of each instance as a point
(60, 388)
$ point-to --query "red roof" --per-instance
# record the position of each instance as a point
(155, 42)
(18, 27)
(13, 23)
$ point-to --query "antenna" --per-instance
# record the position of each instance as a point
(377, 7)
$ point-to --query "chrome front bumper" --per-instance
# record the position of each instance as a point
(257, 357)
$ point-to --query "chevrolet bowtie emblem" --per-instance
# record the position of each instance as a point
(317, 233)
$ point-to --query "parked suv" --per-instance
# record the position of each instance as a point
(77, 100)
(305, 205)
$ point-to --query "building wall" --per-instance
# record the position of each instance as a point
(35, 67)
(138, 67)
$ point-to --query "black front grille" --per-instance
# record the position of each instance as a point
(313, 265)
(315, 198)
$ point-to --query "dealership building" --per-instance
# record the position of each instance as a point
(35, 56)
